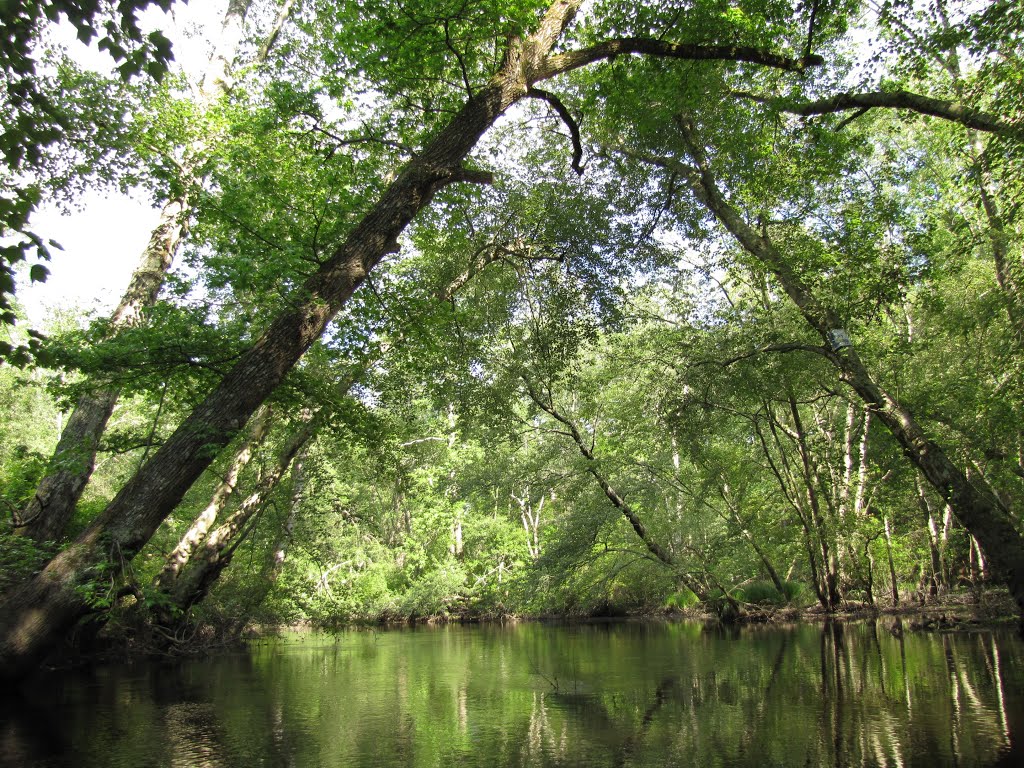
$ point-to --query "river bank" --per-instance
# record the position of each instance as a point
(960, 612)
(988, 609)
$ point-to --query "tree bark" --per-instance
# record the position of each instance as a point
(953, 111)
(194, 536)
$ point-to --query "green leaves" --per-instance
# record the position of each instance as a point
(36, 119)
(425, 52)
(38, 273)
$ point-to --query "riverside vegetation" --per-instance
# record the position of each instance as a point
(469, 308)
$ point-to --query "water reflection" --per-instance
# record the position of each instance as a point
(532, 695)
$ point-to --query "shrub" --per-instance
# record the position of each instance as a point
(760, 593)
(681, 600)
(765, 593)
(793, 590)
(436, 593)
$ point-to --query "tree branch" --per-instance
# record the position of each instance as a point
(275, 31)
(458, 56)
(471, 176)
(559, 63)
(810, 29)
(924, 105)
(570, 123)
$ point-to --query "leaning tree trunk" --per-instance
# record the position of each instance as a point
(979, 511)
(734, 513)
(195, 539)
(201, 526)
(623, 506)
(48, 512)
(275, 562)
(190, 583)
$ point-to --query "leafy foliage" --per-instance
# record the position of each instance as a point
(45, 117)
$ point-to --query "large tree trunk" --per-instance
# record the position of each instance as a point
(197, 532)
(295, 446)
(978, 510)
(48, 512)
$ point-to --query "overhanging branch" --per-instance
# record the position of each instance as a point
(608, 49)
(570, 123)
(914, 102)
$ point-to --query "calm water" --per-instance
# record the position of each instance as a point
(532, 695)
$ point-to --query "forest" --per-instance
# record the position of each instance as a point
(480, 308)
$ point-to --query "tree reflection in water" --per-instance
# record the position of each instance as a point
(629, 694)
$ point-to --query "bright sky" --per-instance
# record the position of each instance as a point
(103, 241)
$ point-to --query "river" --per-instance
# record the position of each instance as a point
(530, 694)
